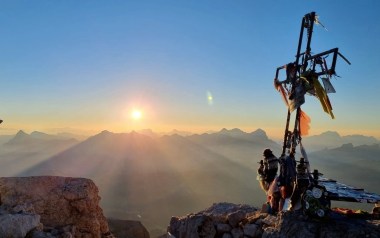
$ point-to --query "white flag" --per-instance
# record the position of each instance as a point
(328, 86)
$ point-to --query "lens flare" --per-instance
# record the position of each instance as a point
(210, 98)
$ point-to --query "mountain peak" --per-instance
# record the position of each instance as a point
(105, 132)
(42, 135)
(37, 133)
(347, 146)
(259, 132)
(20, 137)
(148, 132)
(232, 132)
(181, 133)
(330, 134)
(21, 133)
(223, 130)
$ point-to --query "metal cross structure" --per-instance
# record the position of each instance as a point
(301, 78)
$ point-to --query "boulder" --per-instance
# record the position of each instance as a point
(192, 226)
(59, 201)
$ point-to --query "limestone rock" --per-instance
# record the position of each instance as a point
(17, 225)
(60, 202)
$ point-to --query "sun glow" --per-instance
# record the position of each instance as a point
(136, 114)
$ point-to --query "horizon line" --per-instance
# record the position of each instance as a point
(90, 133)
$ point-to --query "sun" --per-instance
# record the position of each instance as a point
(136, 115)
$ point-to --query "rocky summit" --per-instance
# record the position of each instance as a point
(226, 220)
(65, 207)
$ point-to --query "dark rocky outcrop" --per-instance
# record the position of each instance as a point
(127, 228)
(225, 220)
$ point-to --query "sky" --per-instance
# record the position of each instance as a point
(87, 66)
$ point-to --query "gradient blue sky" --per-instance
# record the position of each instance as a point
(84, 65)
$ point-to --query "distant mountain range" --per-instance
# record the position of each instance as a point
(36, 135)
(36, 138)
(147, 176)
(325, 140)
(332, 139)
(23, 150)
